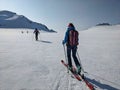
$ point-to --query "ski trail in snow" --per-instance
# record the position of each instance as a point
(58, 80)
(64, 81)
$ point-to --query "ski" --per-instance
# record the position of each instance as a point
(73, 72)
(88, 84)
(79, 77)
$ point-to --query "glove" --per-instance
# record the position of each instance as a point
(63, 42)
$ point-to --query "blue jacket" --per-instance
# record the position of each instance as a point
(67, 33)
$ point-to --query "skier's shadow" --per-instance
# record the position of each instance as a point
(44, 41)
(100, 85)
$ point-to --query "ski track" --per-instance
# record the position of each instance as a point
(61, 81)
(64, 81)
(57, 81)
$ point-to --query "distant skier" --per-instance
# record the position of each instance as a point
(27, 32)
(71, 40)
(22, 32)
(36, 31)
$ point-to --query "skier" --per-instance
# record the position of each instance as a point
(36, 33)
(71, 40)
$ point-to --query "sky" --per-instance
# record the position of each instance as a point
(56, 14)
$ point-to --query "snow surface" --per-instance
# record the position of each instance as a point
(26, 64)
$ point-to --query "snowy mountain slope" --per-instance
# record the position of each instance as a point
(12, 20)
(29, 65)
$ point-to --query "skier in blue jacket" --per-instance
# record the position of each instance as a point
(71, 41)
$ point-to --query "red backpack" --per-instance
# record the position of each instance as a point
(73, 38)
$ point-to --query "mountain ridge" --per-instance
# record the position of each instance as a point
(10, 19)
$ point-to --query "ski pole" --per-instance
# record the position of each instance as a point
(65, 57)
(80, 62)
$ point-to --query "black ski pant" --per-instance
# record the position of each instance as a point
(36, 37)
(74, 50)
